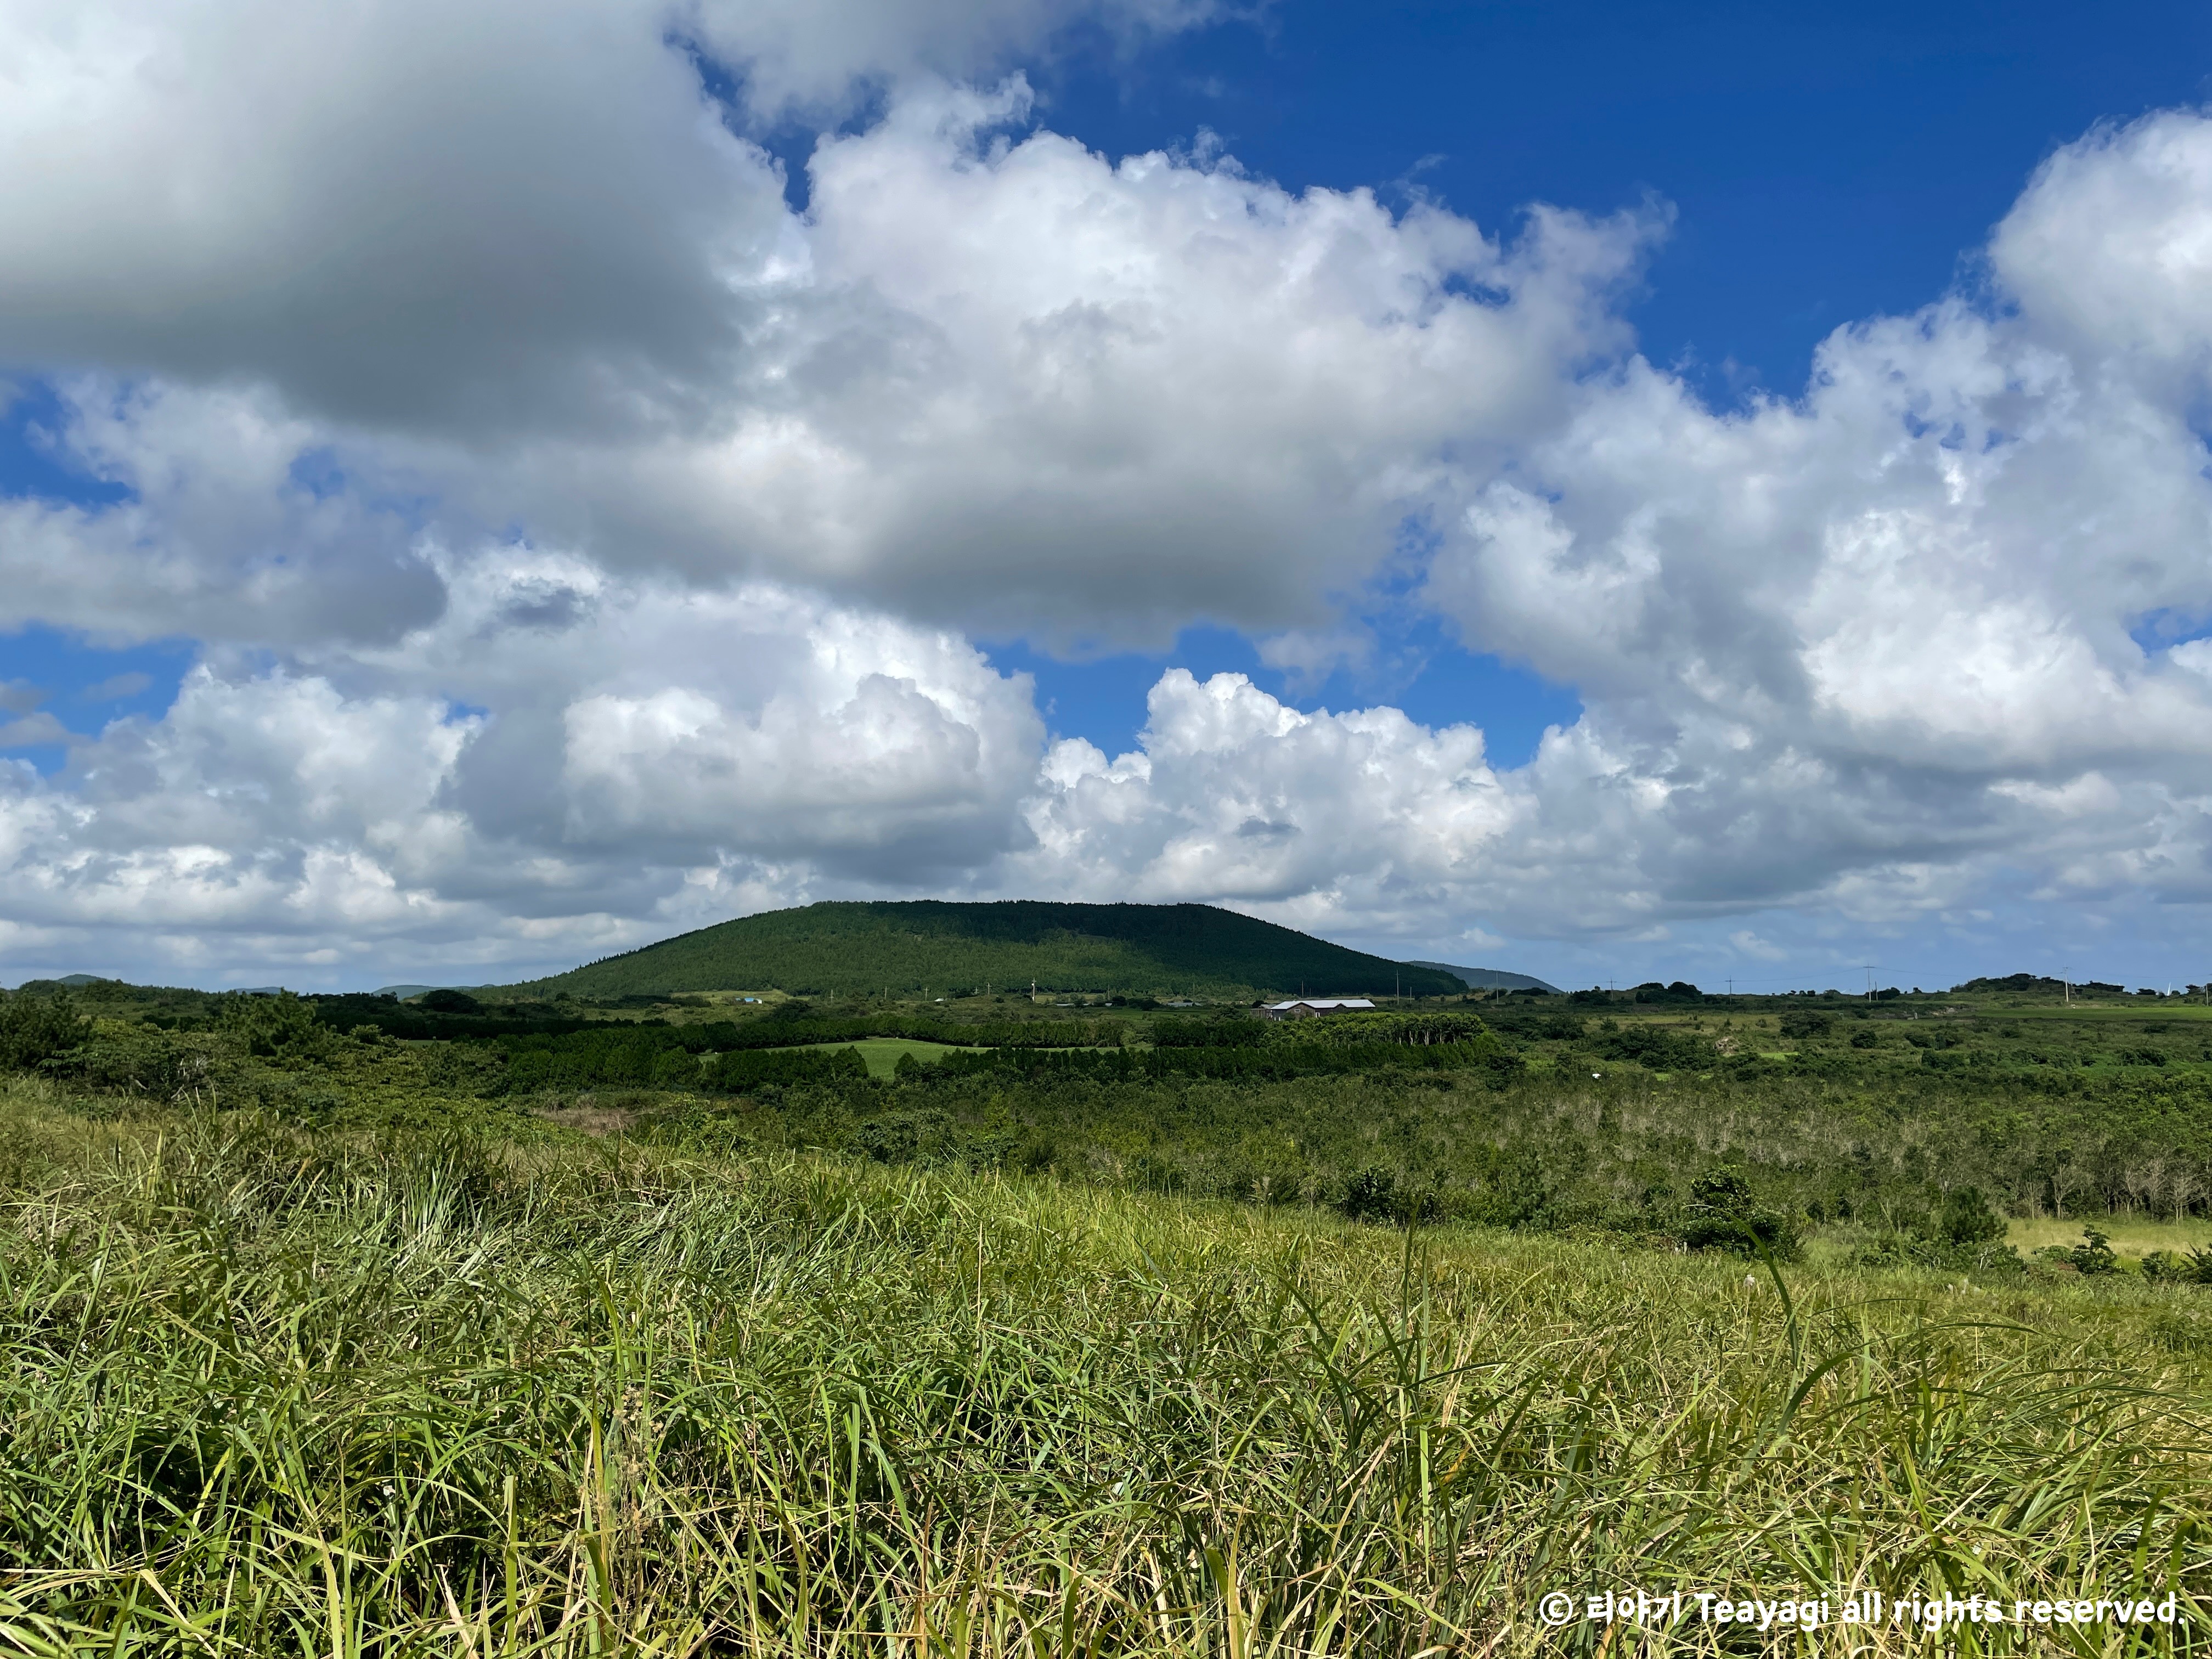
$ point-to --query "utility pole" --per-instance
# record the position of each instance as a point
(2066, 978)
(1869, 967)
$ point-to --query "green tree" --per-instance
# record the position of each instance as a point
(33, 1029)
(1967, 1218)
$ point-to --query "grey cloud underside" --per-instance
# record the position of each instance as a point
(521, 270)
(586, 545)
(477, 220)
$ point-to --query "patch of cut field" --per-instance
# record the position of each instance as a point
(882, 1054)
(2130, 1235)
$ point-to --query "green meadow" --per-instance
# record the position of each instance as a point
(320, 1341)
(271, 1390)
(882, 1054)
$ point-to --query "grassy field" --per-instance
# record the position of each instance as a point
(882, 1054)
(2129, 1236)
(320, 1334)
(271, 1390)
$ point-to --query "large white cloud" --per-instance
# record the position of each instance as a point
(518, 259)
(641, 724)
(235, 527)
(562, 764)
(1087, 393)
(477, 218)
(400, 213)
(500, 427)
(1365, 816)
(1007, 384)
(270, 808)
(2110, 248)
(1912, 618)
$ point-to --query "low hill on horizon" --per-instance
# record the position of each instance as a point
(1490, 979)
(907, 946)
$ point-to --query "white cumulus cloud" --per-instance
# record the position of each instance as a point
(562, 764)
(1364, 817)
(585, 540)
(1909, 620)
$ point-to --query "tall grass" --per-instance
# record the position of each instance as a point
(267, 1392)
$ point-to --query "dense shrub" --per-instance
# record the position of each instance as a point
(413, 1021)
(1221, 1031)
(2179, 1266)
(35, 1028)
(1509, 1189)
(1939, 1038)
(785, 1029)
(1656, 1047)
(269, 1028)
(1376, 1194)
(1986, 1259)
(124, 1059)
(1488, 1060)
(1723, 1215)
(745, 1069)
(611, 1054)
(1967, 1218)
(1680, 991)
(1409, 1031)
(2093, 1256)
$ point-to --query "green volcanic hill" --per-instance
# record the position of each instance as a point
(1142, 949)
(1490, 979)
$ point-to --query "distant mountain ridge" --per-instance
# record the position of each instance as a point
(906, 947)
(1489, 979)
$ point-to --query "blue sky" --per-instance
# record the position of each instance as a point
(606, 482)
(1826, 163)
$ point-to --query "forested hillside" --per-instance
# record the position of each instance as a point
(905, 949)
(1490, 979)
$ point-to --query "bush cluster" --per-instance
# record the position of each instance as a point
(33, 1029)
(1725, 1214)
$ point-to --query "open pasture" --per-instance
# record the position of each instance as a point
(882, 1054)
(271, 1390)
